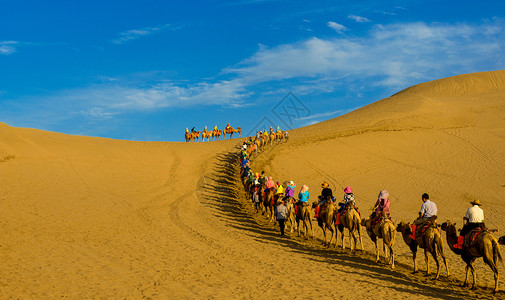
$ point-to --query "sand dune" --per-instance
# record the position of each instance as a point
(89, 217)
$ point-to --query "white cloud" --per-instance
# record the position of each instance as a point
(390, 55)
(337, 27)
(134, 34)
(359, 19)
(8, 47)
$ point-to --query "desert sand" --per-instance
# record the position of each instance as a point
(84, 217)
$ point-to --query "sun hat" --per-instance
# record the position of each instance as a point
(348, 190)
(325, 184)
(476, 202)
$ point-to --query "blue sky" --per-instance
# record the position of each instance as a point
(146, 70)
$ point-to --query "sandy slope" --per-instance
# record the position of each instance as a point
(89, 217)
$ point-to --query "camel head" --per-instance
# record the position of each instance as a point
(314, 204)
(449, 226)
(364, 221)
(404, 227)
(501, 240)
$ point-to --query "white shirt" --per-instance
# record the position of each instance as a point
(428, 209)
(475, 214)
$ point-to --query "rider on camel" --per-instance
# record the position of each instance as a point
(474, 218)
(382, 205)
(428, 210)
(326, 194)
(193, 129)
(290, 190)
(278, 128)
(279, 190)
(303, 196)
(270, 183)
(348, 199)
(215, 127)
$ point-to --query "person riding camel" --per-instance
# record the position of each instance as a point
(348, 199)
(303, 196)
(474, 218)
(270, 183)
(193, 129)
(279, 190)
(278, 128)
(271, 130)
(326, 194)
(265, 133)
(187, 130)
(215, 127)
(227, 127)
(382, 205)
(290, 190)
(428, 210)
(205, 128)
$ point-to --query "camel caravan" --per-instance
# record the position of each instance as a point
(276, 200)
(215, 134)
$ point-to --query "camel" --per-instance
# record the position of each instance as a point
(430, 240)
(268, 204)
(230, 130)
(266, 139)
(352, 221)
(206, 134)
(303, 214)
(286, 136)
(188, 136)
(272, 137)
(326, 220)
(501, 240)
(384, 230)
(485, 245)
(216, 134)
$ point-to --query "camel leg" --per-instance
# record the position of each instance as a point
(414, 255)
(467, 269)
(474, 274)
(377, 250)
(342, 232)
(350, 239)
(331, 237)
(311, 228)
(360, 239)
(434, 254)
(427, 262)
(324, 234)
(392, 258)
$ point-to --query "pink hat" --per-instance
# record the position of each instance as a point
(348, 190)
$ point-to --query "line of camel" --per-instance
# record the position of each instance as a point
(429, 237)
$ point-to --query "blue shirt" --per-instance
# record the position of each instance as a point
(304, 197)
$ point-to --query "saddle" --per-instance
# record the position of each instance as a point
(472, 236)
(421, 229)
(380, 217)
